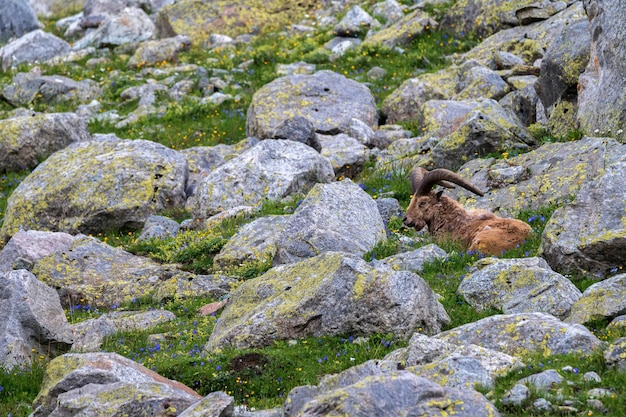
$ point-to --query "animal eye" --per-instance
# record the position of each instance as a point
(422, 204)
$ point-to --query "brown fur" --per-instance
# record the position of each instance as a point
(477, 230)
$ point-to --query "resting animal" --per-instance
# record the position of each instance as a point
(477, 230)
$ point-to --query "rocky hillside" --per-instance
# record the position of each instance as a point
(255, 154)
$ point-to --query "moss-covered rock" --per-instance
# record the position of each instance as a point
(98, 185)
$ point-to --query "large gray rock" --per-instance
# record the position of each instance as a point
(32, 321)
(347, 155)
(93, 273)
(326, 295)
(589, 234)
(51, 89)
(414, 260)
(355, 22)
(150, 53)
(388, 394)
(254, 242)
(272, 170)
(455, 131)
(97, 185)
(602, 94)
(605, 299)
(564, 60)
(32, 245)
(485, 17)
(27, 140)
(35, 46)
(402, 32)
(518, 286)
(87, 384)
(524, 333)
(551, 174)
(17, 17)
(333, 217)
(329, 100)
(130, 26)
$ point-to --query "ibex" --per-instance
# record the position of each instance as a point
(476, 230)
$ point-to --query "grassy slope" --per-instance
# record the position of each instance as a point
(268, 374)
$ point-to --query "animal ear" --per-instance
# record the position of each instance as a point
(438, 195)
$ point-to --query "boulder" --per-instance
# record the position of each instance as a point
(370, 396)
(333, 217)
(131, 25)
(414, 260)
(150, 53)
(89, 334)
(602, 300)
(602, 93)
(92, 273)
(271, 170)
(455, 131)
(522, 103)
(551, 174)
(254, 242)
(216, 404)
(32, 321)
(27, 140)
(199, 19)
(524, 333)
(159, 227)
(35, 46)
(355, 22)
(97, 185)
(17, 18)
(589, 234)
(89, 383)
(327, 99)
(347, 155)
(402, 32)
(32, 245)
(564, 60)
(518, 286)
(298, 129)
(615, 354)
(51, 89)
(485, 17)
(328, 294)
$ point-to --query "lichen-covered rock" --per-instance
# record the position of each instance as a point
(602, 93)
(485, 17)
(216, 404)
(589, 234)
(389, 394)
(518, 286)
(298, 129)
(355, 22)
(129, 26)
(524, 333)
(159, 227)
(272, 170)
(154, 52)
(32, 321)
(198, 19)
(564, 60)
(254, 242)
(522, 103)
(28, 86)
(605, 299)
(347, 155)
(97, 185)
(89, 334)
(550, 174)
(32, 245)
(460, 130)
(108, 384)
(333, 217)
(27, 140)
(35, 46)
(17, 18)
(326, 295)
(402, 32)
(93, 273)
(616, 352)
(414, 260)
(329, 100)
(476, 81)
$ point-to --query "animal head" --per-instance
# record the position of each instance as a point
(426, 204)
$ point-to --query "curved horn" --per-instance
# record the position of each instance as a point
(440, 174)
(417, 175)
